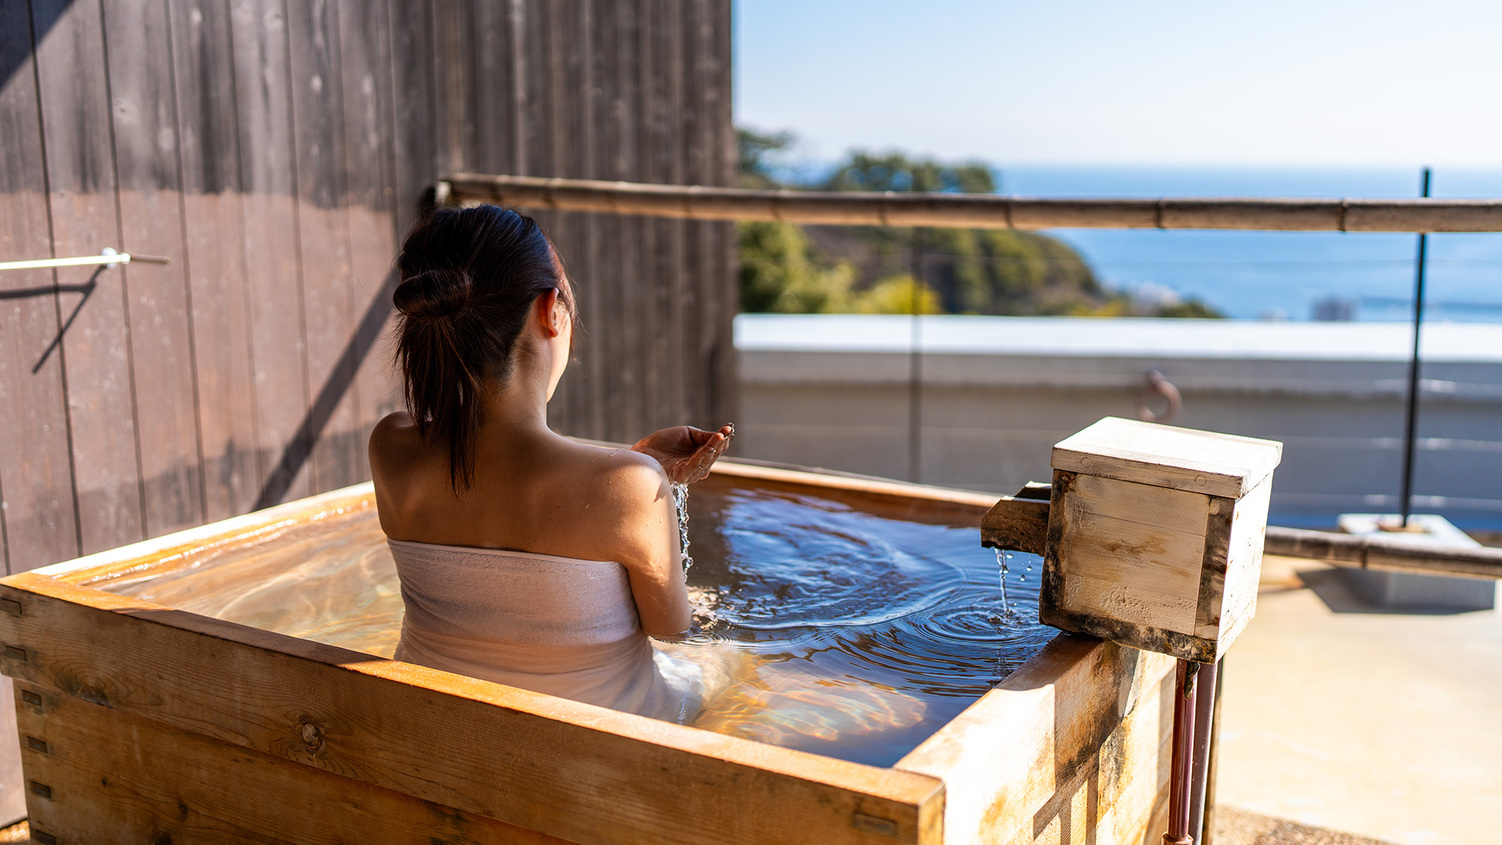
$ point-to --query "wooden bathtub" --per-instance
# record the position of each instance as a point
(142, 723)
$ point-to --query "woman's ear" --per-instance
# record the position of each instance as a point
(549, 313)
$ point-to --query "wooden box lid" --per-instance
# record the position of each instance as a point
(1166, 456)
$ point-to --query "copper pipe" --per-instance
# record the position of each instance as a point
(1207, 834)
(1180, 788)
(1204, 711)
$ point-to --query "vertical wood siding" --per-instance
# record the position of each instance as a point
(276, 150)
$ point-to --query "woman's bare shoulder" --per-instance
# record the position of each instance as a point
(396, 446)
(615, 490)
(625, 475)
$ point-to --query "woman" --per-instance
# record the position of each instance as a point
(525, 557)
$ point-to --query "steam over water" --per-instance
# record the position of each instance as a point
(848, 631)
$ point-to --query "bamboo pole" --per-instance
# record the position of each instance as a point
(975, 211)
(1360, 552)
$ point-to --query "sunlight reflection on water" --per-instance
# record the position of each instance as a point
(850, 633)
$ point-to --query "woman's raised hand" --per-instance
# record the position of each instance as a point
(685, 452)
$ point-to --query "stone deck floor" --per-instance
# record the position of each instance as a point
(1349, 717)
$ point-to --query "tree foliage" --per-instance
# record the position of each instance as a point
(871, 269)
(895, 171)
(755, 152)
(782, 272)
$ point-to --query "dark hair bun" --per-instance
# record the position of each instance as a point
(434, 294)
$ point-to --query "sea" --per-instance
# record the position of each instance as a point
(1284, 275)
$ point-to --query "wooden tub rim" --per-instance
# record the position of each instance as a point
(910, 796)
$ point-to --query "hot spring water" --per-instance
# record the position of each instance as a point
(857, 633)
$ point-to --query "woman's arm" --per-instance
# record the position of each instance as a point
(646, 541)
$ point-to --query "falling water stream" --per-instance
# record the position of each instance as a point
(680, 499)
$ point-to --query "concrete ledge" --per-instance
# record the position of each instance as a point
(1400, 590)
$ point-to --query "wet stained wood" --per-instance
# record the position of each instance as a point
(1071, 748)
(453, 39)
(365, 60)
(279, 168)
(1016, 524)
(329, 426)
(36, 477)
(96, 347)
(721, 391)
(111, 777)
(214, 257)
(581, 68)
(278, 328)
(558, 767)
(657, 247)
(412, 70)
(160, 331)
(678, 305)
(615, 287)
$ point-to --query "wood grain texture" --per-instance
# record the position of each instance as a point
(1016, 524)
(1243, 570)
(151, 193)
(1164, 456)
(980, 211)
(365, 62)
(38, 523)
(214, 257)
(1100, 607)
(117, 777)
(550, 765)
(1130, 551)
(277, 151)
(323, 245)
(412, 140)
(267, 179)
(96, 348)
(1073, 747)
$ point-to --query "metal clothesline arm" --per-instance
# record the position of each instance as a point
(109, 257)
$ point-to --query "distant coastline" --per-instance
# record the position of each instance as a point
(1277, 275)
(1252, 275)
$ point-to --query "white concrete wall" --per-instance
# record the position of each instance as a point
(995, 393)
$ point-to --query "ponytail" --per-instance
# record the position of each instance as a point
(469, 278)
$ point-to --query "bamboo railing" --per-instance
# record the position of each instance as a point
(974, 211)
(1362, 552)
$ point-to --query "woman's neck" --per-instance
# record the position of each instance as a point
(518, 405)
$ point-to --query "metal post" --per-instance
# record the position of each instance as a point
(915, 367)
(1413, 372)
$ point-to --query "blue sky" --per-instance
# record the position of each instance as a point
(1270, 82)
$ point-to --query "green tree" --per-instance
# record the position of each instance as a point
(755, 151)
(896, 295)
(962, 271)
(895, 171)
(781, 272)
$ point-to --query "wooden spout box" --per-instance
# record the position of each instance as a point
(1155, 536)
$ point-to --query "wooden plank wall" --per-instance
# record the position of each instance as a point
(276, 150)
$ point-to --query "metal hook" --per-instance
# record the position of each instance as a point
(1158, 385)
